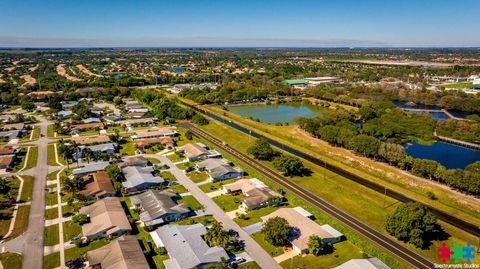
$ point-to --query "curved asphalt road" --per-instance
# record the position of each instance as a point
(410, 257)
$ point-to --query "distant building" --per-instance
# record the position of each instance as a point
(167, 131)
(91, 140)
(62, 115)
(159, 207)
(86, 126)
(90, 168)
(91, 120)
(186, 247)
(133, 161)
(136, 122)
(143, 144)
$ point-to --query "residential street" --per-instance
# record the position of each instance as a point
(253, 249)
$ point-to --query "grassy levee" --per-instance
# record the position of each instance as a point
(449, 201)
(361, 202)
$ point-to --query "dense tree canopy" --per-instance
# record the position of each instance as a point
(276, 231)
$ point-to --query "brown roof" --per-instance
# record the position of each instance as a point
(100, 185)
(6, 159)
(88, 140)
(87, 126)
(134, 114)
(157, 140)
(13, 126)
(122, 253)
(157, 131)
(40, 93)
(5, 150)
(105, 215)
(193, 150)
(134, 160)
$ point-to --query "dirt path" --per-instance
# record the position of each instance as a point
(29, 80)
(84, 70)
(62, 72)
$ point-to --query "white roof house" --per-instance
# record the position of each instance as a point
(371, 263)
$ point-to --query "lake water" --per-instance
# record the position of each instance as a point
(450, 156)
(275, 113)
(435, 115)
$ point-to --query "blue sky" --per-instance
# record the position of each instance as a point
(299, 23)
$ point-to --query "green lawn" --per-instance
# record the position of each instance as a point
(36, 132)
(213, 186)
(13, 183)
(191, 202)
(228, 202)
(253, 216)
(249, 265)
(205, 220)
(75, 252)
(27, 188)
(51, 198)
(153, 160)
(272, 250)
(21, 221)
(460, 85)
(51, 235)
(11, 260)
(343, 252)
(51, 155)
(197, 176)
(19, 160)
(51, 131)
(89, 132)
(51, 261)
(178, 189)
(32, 158)
(70, 230)
(183, 166)
(176, 158)
(51, 213)
(168, 176)
(128, 148)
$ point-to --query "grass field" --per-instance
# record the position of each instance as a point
(51, 213)
(253, 216)
(228, 202)
(128, 148)
(36, 132)
(51, 261)
(168, 176)
(51, 198)
(21, 221)
(27, 188)
(70, 230)
(32, 158)
(51, 155)
(175, 158)
(75, 252)
(461, 85)
(197, 176)
(343, 252)
(269, 248)
(213, 186)
(51, 235)
(178, 189)
(191, 202)
(153, 160)
(184, 166)
(11, 260)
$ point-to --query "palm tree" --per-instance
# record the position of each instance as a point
(87, 154)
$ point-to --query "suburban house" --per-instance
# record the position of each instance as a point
(13, 126)
(108, 148)
(136, 115)
(63, 115)
(186, 247)
(159, 206)
(303, 227)
(136, 122)
(133, 161)
(134, 106)
(122, 253)
(86, 126)
(97, 186)
(140, 178)
(91, 140)
(257, 194)
(6, 161)
(9, 135)
(167, 131)
(112, 119)
(90, 168)
(197, 151)
(107, 218)
(8, 150)
(66, 105)
(370, 263)
(91, 120)
(219, 169)
(143, 144)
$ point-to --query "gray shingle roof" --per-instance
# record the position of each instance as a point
(156, 203)
(138, 175)
(186, 246)
(90, 168)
